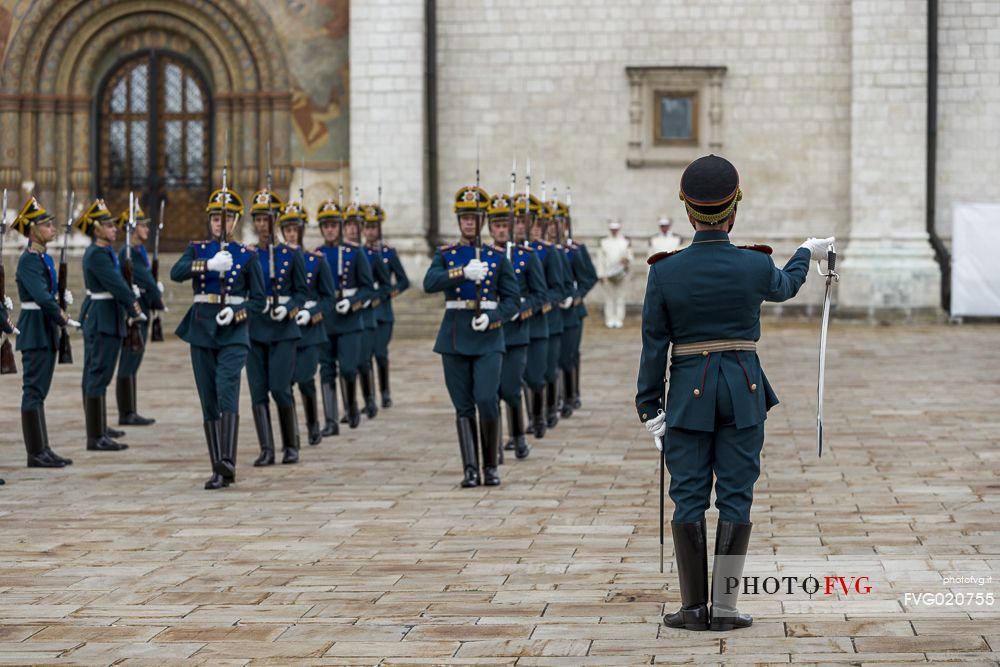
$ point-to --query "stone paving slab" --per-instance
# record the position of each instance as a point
(368, 552)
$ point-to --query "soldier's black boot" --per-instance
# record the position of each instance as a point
(97, 437)
(551, 404)
(265, 436)
(538, 425)
(125, 393)
(499, 433)
(577, 403)
(489, 441)
(108, 431)
(217, 480)
(567, 395)
(469, 449)
(509, 445)
(383, 383)
(45, 436)
(731, 540)
(368, 392)
(288, 424)
(230, 432)
(350, 389)
(34, 441)
(691, 552)
(312, 417)
(329, 392)
(516, 422)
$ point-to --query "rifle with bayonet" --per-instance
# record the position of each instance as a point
(133, 337)
(513, 185)
(65, 347)
(271, 275)
(7, 365)
(223, 237)
(478, 241)
(156, 333)
(340, 235)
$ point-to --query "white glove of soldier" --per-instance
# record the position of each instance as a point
(367, 303)
(73, 323)
(141, 317)
(15, 331)
(279, 313)
(343, 306)
(136, 291)
(7, 302)
(480, 322)
(302, 317)
(222, 261)
(225, 316)
(516, 317)
(566, 303)
(475, 270)
(159, 286)
(69, 298)
(657, 426)
(817, 247)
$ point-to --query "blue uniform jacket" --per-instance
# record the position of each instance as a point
(290, 282)
(711, 290)
(103, 273)
(320, 294)
(142, 272)
(533, 290)
(555, 280)
(584, 276)
(353, 275)
(380, 279)
(38, 282)
(456, 335)
(390, 290)
(244, 280)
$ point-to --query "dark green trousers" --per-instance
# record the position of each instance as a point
(100, 354)
(537, 363)
(512, 372)
(129, 361)
(473, 382)
(306, 363)
(340, 356)
(270, 367)
(37, 367)
(217, 376)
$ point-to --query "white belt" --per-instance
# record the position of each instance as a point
(309, 304)
(30, 305)
(217, 298)
(349, 291)
(99, 296)
(469, 304)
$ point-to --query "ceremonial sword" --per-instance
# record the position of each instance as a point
(831, 277)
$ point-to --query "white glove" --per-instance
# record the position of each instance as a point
(73, 323)
(159, 286)
(141, 317)
(657, 426)
(225, 316)
(69, 298)
(136, 291)
(302, 317)
(16, 331)
(475, 270)
(279, 313)
(817, 247)
(480, 322)
(222, 262)
(516, 317)
(566, 303)
(7, 303)
(366, 303)
(343, 306)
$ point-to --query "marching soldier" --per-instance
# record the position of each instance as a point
(319, 295)
(354, 217)
(480, 296)
(111, 307)
(584, 277)
(150, 299)
(352, 281)
(38, 328)
(274, 333)
(383, 314)
(228, 285)
(517, 332)
(705, 301)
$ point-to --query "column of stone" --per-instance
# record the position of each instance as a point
(45, 172)
(281, 136)
(10, 171)
(80, 176)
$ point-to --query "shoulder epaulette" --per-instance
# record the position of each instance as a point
(526, 248)
(766, 249)
(199, 242)
(387, 247)
(662, 255)
(444, 247)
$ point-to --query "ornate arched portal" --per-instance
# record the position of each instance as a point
(55, 132)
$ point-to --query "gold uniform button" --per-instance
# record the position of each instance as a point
(644, 417)
(753, 388)
(704, 353)
(697, 392)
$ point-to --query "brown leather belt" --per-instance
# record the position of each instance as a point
(707, 347)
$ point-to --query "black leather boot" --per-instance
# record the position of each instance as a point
(34, 441)
(691, 552)
(538, 425)
(97, 437)
(499, 432)
(551, 404)
(125, 393)
(469, 449)
(265, 436)
(289, 427)
(329, 392)
(312, 416)
(383, 383)
(489, 434)
(515, 421)
(566, 410)
(350, 389)
(45, 437)
(217, 480)
(368, 392)
(230, 431)
(509, 444)
(577, 403)
(731, 540)
(108, 431)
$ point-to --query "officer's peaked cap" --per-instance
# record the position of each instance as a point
(710, 189)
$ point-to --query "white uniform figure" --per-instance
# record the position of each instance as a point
(666, 240)
(613, 263)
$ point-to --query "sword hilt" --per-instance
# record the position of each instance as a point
(831, 259)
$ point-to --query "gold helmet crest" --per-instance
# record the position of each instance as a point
(32, 213)
(96, 214)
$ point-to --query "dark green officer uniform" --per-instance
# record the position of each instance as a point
(584, 277)
(396, 283)
(382, 282)
(320, 294)
(545, 377)
(150, 299)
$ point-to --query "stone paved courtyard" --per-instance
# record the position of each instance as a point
(369, 553)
